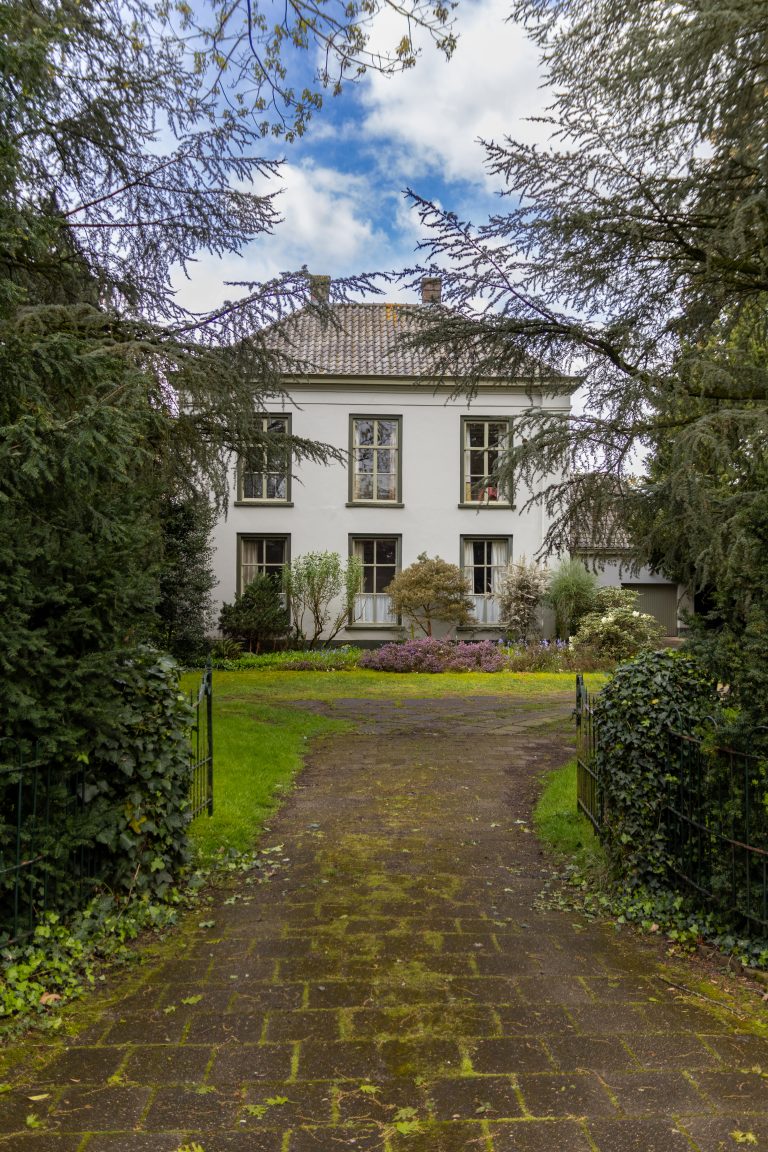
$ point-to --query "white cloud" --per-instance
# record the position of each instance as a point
(329, 223)
(431, 117)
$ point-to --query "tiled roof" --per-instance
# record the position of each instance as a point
(355, 340)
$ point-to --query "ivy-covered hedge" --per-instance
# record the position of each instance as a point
(139, 770)
(633, 712)
(115, 801)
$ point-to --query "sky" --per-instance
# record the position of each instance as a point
(342, 184)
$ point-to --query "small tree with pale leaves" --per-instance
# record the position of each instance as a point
(523, 587)
(313, 585)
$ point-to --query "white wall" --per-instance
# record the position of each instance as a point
(430, 520)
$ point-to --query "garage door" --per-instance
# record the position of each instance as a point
(659, 600)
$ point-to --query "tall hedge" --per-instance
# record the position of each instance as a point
(645, 697)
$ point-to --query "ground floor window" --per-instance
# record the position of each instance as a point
(261, 555)
(380, 558)
(484, 560)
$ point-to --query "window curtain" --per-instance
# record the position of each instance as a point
(499, 559)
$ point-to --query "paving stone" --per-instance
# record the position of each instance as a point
(533, 1019)
(738, 1130)
(474, 1098)
(147, 1028)
(241, 1063)
(40, 1142)
(94, 1065)
(354, 1105)
(419, 1058)
(576, 1053)
(598, 1019)
(174, 1107)
(455, 1137)
(668, 1093)
(215, 1140)
(264, 997)
(326, 1139)
(573, 1095)
(135, 1142)
(447, 1019)
(734, 1091)
(672, 1050)
(167, 1064)
(739, 1051)
(293, 1104)
(86, 1109)
(315, 1024)
(638, 1135)
(16, 1106)
(340, 994)
(509, 1054)
(555, 990)
(542, 1136)
(218, 1028)
(340, 1061)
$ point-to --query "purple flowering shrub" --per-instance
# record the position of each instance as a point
(430, 655)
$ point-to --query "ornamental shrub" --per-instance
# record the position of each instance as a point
(618, 634)
(644, 698)
(571, 593)
(523, 586)
(430, 590)
(430, 655)
(257, 615)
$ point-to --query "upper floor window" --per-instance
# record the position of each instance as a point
(264, 472)
(375, 459)
(484, 442)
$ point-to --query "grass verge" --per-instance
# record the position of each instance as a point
(561, 825)
(258, 749)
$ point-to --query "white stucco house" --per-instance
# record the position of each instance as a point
(416, 473)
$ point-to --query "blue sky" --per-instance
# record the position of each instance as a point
(342, 183)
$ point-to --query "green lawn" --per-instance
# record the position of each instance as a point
(266, 684)
(259, 745)
(559, 822)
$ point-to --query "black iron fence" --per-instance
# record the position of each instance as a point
(48, 855)
(589, 794)
(714, 812)
(201, 782)
(50, 858)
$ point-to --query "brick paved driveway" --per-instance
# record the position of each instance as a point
(400, 986)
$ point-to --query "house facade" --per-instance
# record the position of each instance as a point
(416, 476)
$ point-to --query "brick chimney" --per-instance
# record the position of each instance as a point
(431, 289)
(319, 289)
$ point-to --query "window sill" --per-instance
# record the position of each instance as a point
(498, 505)
(263, 504)
(377, 627)
(373, 504)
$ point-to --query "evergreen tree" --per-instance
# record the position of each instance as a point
(185, 608)
(633, 250)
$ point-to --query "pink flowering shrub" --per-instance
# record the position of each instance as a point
(430, 655)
